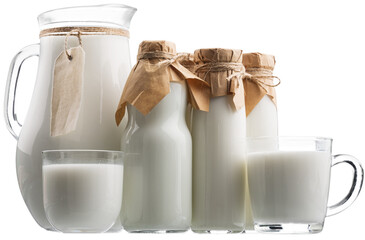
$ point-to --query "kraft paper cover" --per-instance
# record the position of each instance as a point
(149, 80)
(187, 60)
(66, 91)
(255, 64)
(216, 66)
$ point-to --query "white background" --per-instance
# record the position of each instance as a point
(319, 48)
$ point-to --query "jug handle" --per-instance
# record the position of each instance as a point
(10, 115)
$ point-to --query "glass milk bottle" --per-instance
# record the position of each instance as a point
(102, 31)
(261, 112)
(219, 145)
(157, 143)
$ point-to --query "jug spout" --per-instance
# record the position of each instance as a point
(128, 15)
(109, 15)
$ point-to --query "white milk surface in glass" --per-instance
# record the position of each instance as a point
(107, 65)
(218, 167)
(158, 165)
(82, 197)
(289, 186)
(262, 121)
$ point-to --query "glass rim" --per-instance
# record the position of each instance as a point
(112, 5)
(58, 15)
(296, 138)
(82, 151)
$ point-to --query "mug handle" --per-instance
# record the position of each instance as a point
(356, 183)
(10, 115)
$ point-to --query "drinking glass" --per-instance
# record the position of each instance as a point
(82, 189)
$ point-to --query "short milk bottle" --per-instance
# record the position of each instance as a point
(219, 144)
(261, 111)
(157, 142)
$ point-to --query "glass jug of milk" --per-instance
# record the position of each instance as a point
(105, 41)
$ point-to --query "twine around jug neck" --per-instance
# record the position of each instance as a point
(258, 76)
(78, 34)
(63, 31)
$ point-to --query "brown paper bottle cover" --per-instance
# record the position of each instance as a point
(149, 80)
(217, 66)
(258, 64)
(187, 60)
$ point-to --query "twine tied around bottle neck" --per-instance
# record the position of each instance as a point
(257, 75)
(222, 80)
(169, 58)
(219, 67)
(78, 34)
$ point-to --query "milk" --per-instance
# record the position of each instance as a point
(263, 119)
(218, 167)
(107, 66)
(82, 197)
(289, 186)
(158, 152)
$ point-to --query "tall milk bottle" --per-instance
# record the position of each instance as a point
(219, 144)
(261, 112)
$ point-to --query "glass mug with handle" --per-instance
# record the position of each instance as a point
(289, 179)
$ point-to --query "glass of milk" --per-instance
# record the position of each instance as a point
(289, 183)
(82, 189)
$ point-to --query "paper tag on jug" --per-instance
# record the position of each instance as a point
(67, 90)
